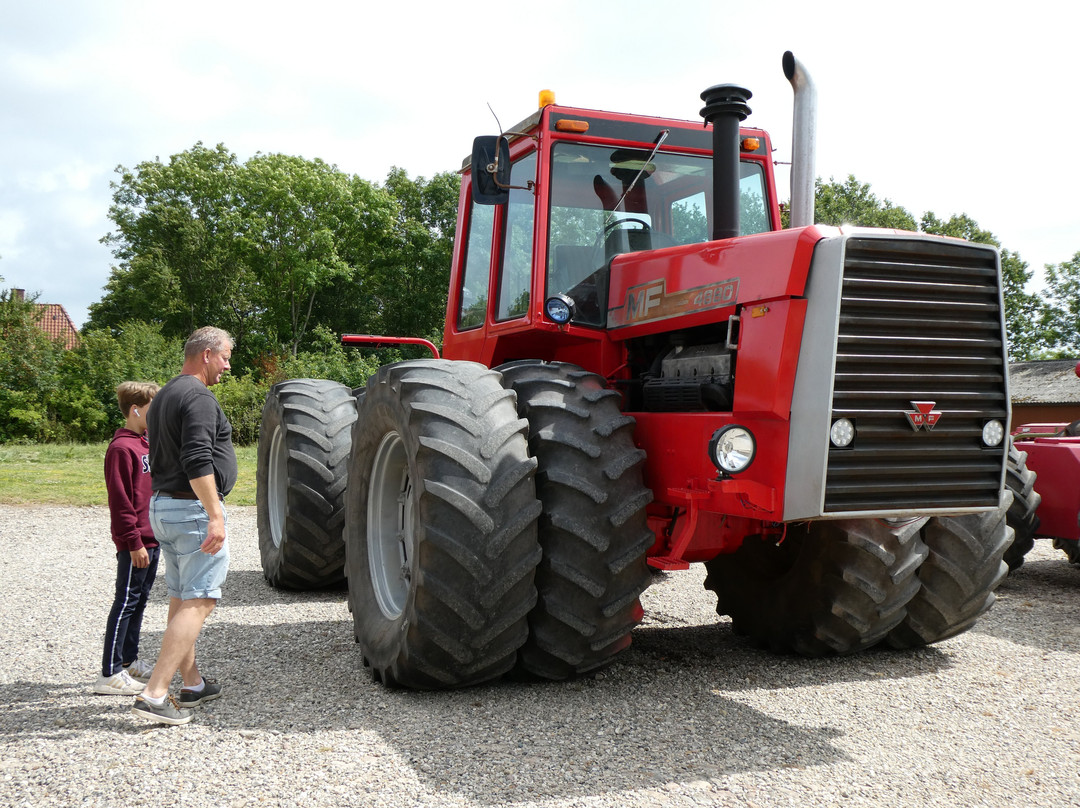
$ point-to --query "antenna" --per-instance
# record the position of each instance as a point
(496, 117)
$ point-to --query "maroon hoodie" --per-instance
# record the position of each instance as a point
(127, 479)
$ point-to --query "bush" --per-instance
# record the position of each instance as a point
(24, 417)
(28, 371)
(49, 395)
(242, 401)
(329, 359)
(76, 416)
(90, 373)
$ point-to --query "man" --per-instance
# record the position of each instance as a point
(192, 470)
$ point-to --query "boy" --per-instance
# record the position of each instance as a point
(127, 480)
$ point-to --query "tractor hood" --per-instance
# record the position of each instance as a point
(649, 289)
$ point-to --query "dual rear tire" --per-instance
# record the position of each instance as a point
(496, 523)
(441, 509)
(1022, 518)
(592, 529)
(487, 521)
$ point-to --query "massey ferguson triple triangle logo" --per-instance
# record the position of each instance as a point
(924, 416)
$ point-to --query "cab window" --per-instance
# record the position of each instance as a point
(754, 206)
(474, 284)
(517, 245)
(611, 200)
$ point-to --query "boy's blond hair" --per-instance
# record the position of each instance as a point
(135, 394)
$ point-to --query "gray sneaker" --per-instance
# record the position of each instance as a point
(189, 698)
(168, 713)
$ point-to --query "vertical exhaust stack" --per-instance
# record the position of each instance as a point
(803, 142)
(725, 108)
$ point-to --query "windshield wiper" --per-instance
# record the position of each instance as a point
(659, 142)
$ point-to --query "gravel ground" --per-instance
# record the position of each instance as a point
(690, 716)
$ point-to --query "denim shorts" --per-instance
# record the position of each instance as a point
(180, 527)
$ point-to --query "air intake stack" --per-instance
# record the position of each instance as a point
(725, 108)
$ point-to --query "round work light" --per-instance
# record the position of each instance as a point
(732, 448)
(559, 309)
(842, 433)
(993, 433)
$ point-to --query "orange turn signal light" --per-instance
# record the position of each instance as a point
(751, 144)
(570, 125)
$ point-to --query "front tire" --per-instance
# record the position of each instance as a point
(957, 579)
(834, 587)
(301, 476)
(593, 530)
(441, 525)
(1021, 516)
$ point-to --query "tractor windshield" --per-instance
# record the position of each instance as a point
(606, 201)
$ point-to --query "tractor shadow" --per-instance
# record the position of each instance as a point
(663, 713)
(683, 704)
(671, 709)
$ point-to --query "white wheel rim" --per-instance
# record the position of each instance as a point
(390, 525)
(277, 485)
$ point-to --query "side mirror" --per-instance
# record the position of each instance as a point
(491, 170)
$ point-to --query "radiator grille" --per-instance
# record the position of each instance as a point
(920, 320)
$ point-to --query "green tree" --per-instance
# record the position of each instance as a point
(28, 370)
(138, 351)
(173, 240)
(689, 223)
(249, 247)
(304, 227)
(413, 274)
(1023, 310)
(853, 203)
(1061, 315)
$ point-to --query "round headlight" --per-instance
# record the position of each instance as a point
(559, 309)
(993, 433)
(732, 448)
(842, 433)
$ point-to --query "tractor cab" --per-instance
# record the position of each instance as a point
(567, 191)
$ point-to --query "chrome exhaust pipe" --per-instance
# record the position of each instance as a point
(803, 142)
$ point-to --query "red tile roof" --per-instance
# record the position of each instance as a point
(55, 322)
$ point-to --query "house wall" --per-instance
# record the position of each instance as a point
(1044, 414)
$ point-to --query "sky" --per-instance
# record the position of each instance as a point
(948, 107)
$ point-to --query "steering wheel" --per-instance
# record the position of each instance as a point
(600, 248)
(613, 224)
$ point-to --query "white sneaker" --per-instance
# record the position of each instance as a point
(119, 684)
(140, 671)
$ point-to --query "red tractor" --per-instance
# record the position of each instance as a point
(1046, 500)
(641, 369)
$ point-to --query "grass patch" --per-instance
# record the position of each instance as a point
(74, 474)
